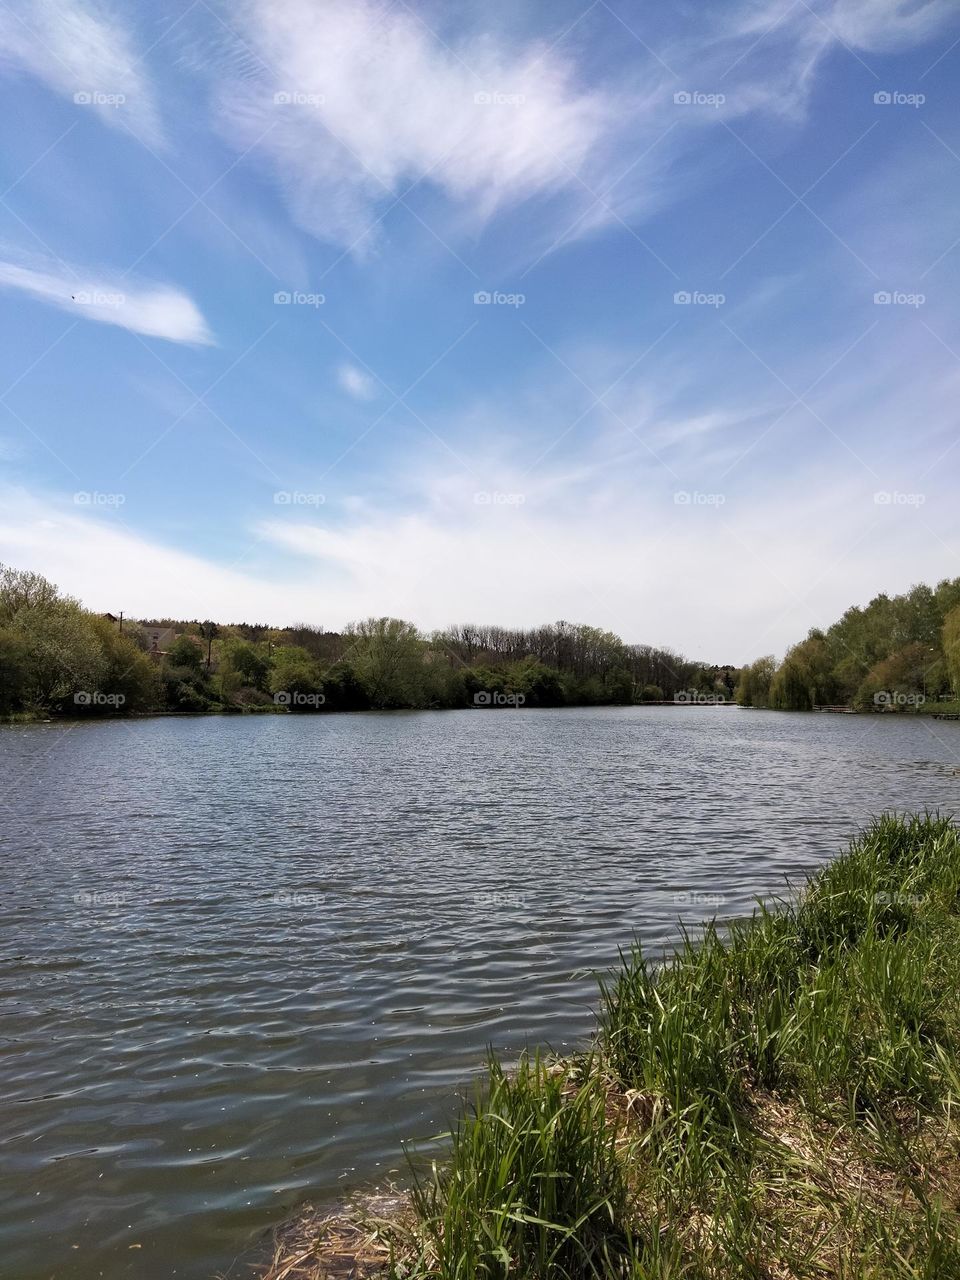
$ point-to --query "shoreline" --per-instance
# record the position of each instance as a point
(946, 710)
(774, 1100)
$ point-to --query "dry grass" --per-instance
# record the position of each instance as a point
(354, 1242)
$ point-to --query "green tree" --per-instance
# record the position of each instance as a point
(753, 687)
(14, 667)
(387, 655)
(23, 591)
(63, 656)
(951, 647)
(903, 680)
(127, 671)
(187, 653)
(245, 660)
(295, 679)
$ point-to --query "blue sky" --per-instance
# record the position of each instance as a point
(710, 402)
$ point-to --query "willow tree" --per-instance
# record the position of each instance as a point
(951, 648)
(753, 687)
(388, 657)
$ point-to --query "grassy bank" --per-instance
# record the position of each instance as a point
(777, 1101)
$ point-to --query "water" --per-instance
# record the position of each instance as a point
(243, 960)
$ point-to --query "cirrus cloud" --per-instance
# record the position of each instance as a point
(86, 54)
(157, 311)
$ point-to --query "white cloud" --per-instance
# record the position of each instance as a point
(158, 311)
(889, 25)
(84, 54)
(356, 383)
(354, 102)
(371, 101)
(716, 580)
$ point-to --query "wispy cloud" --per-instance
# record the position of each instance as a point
(158, 311)
(355, 103)
(356, 383)
(888, 25)
(86, 54)
(358, 101)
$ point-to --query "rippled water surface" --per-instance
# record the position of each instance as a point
(244, 959)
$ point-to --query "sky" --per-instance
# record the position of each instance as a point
(640, 316)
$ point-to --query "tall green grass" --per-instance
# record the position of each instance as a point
(652, 1157)
(534, 1180)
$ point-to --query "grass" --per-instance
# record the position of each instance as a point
(777, 1100)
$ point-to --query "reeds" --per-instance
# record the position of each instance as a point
(776, 1100)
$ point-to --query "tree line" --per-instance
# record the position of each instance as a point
(58, 658)
(898, 653)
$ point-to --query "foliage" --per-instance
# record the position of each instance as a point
(776, 1099)
(187, 653)
(534, 1186)
(950, 641)
(387, 656)
(51, 649)
(906, 647)
(753, 688)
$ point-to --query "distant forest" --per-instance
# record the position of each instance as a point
(898, 653)
(56, 656)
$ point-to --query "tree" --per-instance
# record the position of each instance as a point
(753, 687)
(21, 590)
(249, 663)
(790, 688)
(128, 674)
(387, 655)
(805, 679)
(902, 681)
(951, 647)
(14, 666)
(185, 652)
(295, 680)
(63, 656)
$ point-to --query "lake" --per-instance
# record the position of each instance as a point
(245, 959)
